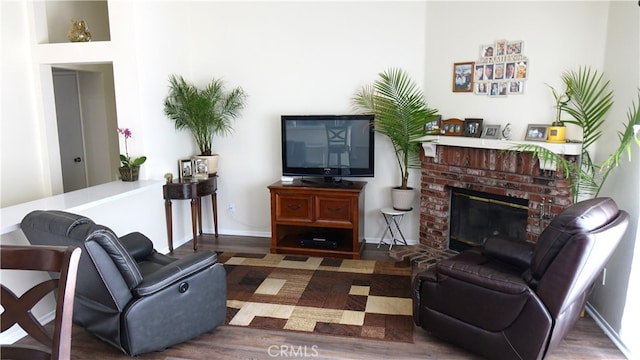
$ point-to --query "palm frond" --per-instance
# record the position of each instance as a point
(401, 114)
(205, 112)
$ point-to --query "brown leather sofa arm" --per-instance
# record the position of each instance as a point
(478, 274)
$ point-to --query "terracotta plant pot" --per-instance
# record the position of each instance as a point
(129, 173)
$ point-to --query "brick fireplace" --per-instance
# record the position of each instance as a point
(490, 170)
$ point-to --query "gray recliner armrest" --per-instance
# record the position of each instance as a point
(173, 272)
(137, 245)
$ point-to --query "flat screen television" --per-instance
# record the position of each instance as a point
(328, 146)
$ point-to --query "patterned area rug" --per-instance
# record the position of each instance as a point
(356, 298)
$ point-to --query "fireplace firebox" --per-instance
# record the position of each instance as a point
(476, 216)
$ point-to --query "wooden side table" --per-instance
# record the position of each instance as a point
(193, 190)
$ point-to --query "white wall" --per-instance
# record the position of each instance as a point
(616, 300)
(291, 58)
(557, 35)
(21, 172)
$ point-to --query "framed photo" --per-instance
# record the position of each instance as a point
(498, 71)
(516, 87)
(185, 169)
(521, 69)
(200, 168)
(434, 125)
(481, 88)
(536, 132)
(487, 51)
(501, 47)
(491, 132)
(463, 77)
(514, 48)
(452, 127)
(472, 127)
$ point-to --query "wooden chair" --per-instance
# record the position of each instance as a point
(17, 309)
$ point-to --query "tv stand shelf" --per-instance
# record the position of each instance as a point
(303, 210)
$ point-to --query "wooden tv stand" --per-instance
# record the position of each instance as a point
(333, 212)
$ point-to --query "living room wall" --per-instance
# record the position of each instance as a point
(291, 58)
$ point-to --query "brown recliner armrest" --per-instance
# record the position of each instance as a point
(517, 253)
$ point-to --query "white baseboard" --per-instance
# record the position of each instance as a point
(608, 330)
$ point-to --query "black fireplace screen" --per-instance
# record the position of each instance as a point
(475, 216)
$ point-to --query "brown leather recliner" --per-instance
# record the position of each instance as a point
(517, 300)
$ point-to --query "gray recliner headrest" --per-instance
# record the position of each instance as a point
(53, 221)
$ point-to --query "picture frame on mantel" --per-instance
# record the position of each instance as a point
(536, 132)
(452, 127)
(491, 132)
(472, 127)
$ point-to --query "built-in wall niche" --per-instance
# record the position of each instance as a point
(54, 19)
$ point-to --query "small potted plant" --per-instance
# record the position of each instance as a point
(401, 113)
(205, 112)
(557, 129)
(130, 169)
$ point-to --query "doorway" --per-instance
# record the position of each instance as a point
(86, 123)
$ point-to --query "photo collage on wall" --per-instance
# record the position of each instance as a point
(501, 69)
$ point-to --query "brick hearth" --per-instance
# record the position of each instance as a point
(509, 173)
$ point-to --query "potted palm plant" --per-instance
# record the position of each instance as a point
(205, 112)
(401, 114)
(587, 101)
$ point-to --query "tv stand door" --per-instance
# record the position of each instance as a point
(301, 210)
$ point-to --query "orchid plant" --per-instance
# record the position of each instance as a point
(126, 160)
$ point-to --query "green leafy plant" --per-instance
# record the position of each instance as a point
(401, 114)
(587, 99)
(125, 159)
(205, 112)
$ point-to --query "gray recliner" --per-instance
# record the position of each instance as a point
(127, 293)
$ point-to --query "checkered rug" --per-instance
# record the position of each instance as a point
(355, 298)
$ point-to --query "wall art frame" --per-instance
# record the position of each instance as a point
(463, 73)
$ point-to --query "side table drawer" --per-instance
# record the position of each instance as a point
(334, 210)
(294, 208)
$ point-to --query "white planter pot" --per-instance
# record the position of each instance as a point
(403, 199)
(212, 162)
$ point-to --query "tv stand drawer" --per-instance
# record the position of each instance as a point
(294, 207)
(334, 210)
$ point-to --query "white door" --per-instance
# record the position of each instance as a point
(70, 137)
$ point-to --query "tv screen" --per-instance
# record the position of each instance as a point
(330, 146)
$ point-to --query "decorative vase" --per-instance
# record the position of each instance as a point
(556, 134)
(402, 199)
(129, 173)
(79, 32)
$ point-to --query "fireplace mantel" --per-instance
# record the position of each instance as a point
(430, 142)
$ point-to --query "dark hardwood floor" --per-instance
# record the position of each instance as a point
(585, 341)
